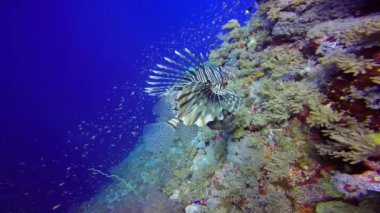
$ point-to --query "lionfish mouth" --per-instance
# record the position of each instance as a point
(199, 89)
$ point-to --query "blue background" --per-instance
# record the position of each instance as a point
(65, 67)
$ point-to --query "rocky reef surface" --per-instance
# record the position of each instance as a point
(306, 138)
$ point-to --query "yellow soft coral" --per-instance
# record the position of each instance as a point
(280, 61)
(349, 63)
(322, 116)
(260, 74)
(351, 142)
(366, 31)
(375, 79)
(231, 24)
(271, 10)
(248, 80)
(376, 137)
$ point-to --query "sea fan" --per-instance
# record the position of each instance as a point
(199, 88)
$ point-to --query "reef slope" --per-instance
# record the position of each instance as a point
(306, 138)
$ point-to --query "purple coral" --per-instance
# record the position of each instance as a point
(354, 186)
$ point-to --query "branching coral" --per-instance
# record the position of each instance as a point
(236, 34)
(349, 63)
(271, 10)
(234, 185)
(322, 116)
(231, 24)
(219, 56)
(281, 99)
(244, 117)
(238, 86)
(351, 142)
(240, 43)
(375, 79)
(280, 61)
(276, 202)
(232, 46)
(279, 162)
(256, 140)
(356, 96)
(278, 165)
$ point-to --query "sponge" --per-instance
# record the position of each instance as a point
(158, 137)
(163, 109)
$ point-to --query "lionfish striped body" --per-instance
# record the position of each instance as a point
(199, 89)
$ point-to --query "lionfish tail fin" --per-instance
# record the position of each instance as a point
(174, 122)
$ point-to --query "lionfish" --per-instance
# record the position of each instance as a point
(198, 88)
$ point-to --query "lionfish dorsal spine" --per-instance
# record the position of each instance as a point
(157, 72)
(186, 59)
(192, 55)
(175, 63)
(175, 74)
(166, 68)
(203, 58)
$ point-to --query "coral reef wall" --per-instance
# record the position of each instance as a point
(306, 138)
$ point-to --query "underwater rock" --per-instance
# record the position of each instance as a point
(309, 194)
(355, 33)
(354, 186)
(292, 25)
(226, 124)
(367, 206)
(336, 207)
(193, 208)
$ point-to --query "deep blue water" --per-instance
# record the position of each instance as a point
(71, 76)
